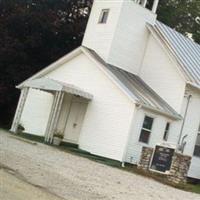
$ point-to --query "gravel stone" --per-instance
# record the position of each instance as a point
(76, 178)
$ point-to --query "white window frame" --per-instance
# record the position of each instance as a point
(145, 129)
(101, 18)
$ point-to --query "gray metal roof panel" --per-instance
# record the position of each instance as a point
(186, 50)
(141, 90)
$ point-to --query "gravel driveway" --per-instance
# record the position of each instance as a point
(14, 188)
(75, 178)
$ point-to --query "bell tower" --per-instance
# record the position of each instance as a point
(117, 31)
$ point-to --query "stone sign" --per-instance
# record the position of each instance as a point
(173, 165)
(162, 159)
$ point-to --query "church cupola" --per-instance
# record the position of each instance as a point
(144, 4)
(155, 6)
(117, 31)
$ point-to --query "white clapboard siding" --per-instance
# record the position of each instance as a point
(99, 36)
(191, 129)
(131, 35)
(36, 112)
(194, 171)
(134, 148)
(121, 41)
(161, 73)
(109, 114)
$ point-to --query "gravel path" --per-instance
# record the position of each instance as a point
(13, 188)
(75, 178)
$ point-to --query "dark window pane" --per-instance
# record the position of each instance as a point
(104, 16)
(166, 134)
(198, 140)
(144, 136)
(148, 122)
(167, 126)
(197, 151)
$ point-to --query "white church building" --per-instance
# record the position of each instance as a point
(134, 82)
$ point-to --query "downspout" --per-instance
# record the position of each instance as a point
(184, 119)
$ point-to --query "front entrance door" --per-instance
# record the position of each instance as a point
(74, 121)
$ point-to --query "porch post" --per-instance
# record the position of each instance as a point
(54, 116)
(57, 114)
(48, 129)
(19, 110)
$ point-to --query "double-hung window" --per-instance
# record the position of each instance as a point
(146, 129)
(197, 145)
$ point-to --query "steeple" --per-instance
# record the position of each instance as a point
(117, 31)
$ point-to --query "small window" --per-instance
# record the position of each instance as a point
(104, 16)
(197, 145)
(146, 129)
(166, 133)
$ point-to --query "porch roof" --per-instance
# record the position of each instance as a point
(51, 85)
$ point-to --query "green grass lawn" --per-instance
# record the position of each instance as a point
(194, 188)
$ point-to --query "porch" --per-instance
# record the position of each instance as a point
(67, 111)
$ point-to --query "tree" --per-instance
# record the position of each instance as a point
(182, 15)
(34, 33)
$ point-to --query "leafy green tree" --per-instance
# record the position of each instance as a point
(34, 33)
(182, 15)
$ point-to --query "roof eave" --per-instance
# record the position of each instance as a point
(52, 66)
(150, 108)
(193, 85)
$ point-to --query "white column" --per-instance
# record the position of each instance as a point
(57, 114)
(19, 110)
(155, 6)
(53, 118)
(144, 3)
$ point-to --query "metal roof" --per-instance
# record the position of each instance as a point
(186, 51)
(141, 92)
(48, 84)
